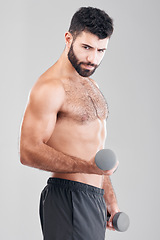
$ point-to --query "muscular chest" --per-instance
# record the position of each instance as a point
(84, 102)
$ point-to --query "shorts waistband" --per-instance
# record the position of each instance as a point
(74, 185)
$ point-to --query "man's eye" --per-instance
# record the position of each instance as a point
(101, 51)
(86, 47)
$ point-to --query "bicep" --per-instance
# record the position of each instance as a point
(37, 127)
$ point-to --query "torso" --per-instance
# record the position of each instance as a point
(80, 129)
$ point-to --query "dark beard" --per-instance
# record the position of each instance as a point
(74, 61)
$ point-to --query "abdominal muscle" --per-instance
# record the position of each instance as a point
(82, 141)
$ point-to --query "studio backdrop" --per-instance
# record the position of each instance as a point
(32, 39)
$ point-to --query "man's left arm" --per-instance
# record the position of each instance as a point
(110, 199)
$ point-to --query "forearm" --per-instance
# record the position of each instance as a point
(109, 194)
(46, 158)
(111, 201)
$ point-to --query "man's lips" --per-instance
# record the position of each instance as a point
(88, 66)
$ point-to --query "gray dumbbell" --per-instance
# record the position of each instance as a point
(105, 159)
(120, 221)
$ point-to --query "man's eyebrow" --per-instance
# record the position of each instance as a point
(86, 45)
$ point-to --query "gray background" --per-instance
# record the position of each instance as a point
(32, 39)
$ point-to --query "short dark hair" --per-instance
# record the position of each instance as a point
(91, 20)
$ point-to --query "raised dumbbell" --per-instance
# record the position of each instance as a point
(105, 159)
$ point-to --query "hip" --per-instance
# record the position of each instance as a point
(90, 179)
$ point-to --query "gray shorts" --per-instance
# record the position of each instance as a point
(71, 210)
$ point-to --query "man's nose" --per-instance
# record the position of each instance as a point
(92, 58)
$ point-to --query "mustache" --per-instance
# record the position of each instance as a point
(89, 64)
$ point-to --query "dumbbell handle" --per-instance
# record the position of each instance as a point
(120, 221)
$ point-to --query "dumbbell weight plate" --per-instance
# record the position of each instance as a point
(105, 159)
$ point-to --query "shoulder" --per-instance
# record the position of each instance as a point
(93, 82)
(47, 93)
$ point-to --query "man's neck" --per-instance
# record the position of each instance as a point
(66, 68)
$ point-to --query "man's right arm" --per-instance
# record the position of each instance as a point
(38, 125)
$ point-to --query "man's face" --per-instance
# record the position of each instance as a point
(86, 53)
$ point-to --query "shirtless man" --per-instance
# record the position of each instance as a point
(62, 130)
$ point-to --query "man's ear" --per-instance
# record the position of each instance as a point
(68, 39)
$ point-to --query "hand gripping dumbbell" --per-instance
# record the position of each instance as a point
(120, 221)
(105, 159)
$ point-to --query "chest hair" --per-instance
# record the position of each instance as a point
(84, 102)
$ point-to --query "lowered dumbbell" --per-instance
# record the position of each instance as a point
(120, 221)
